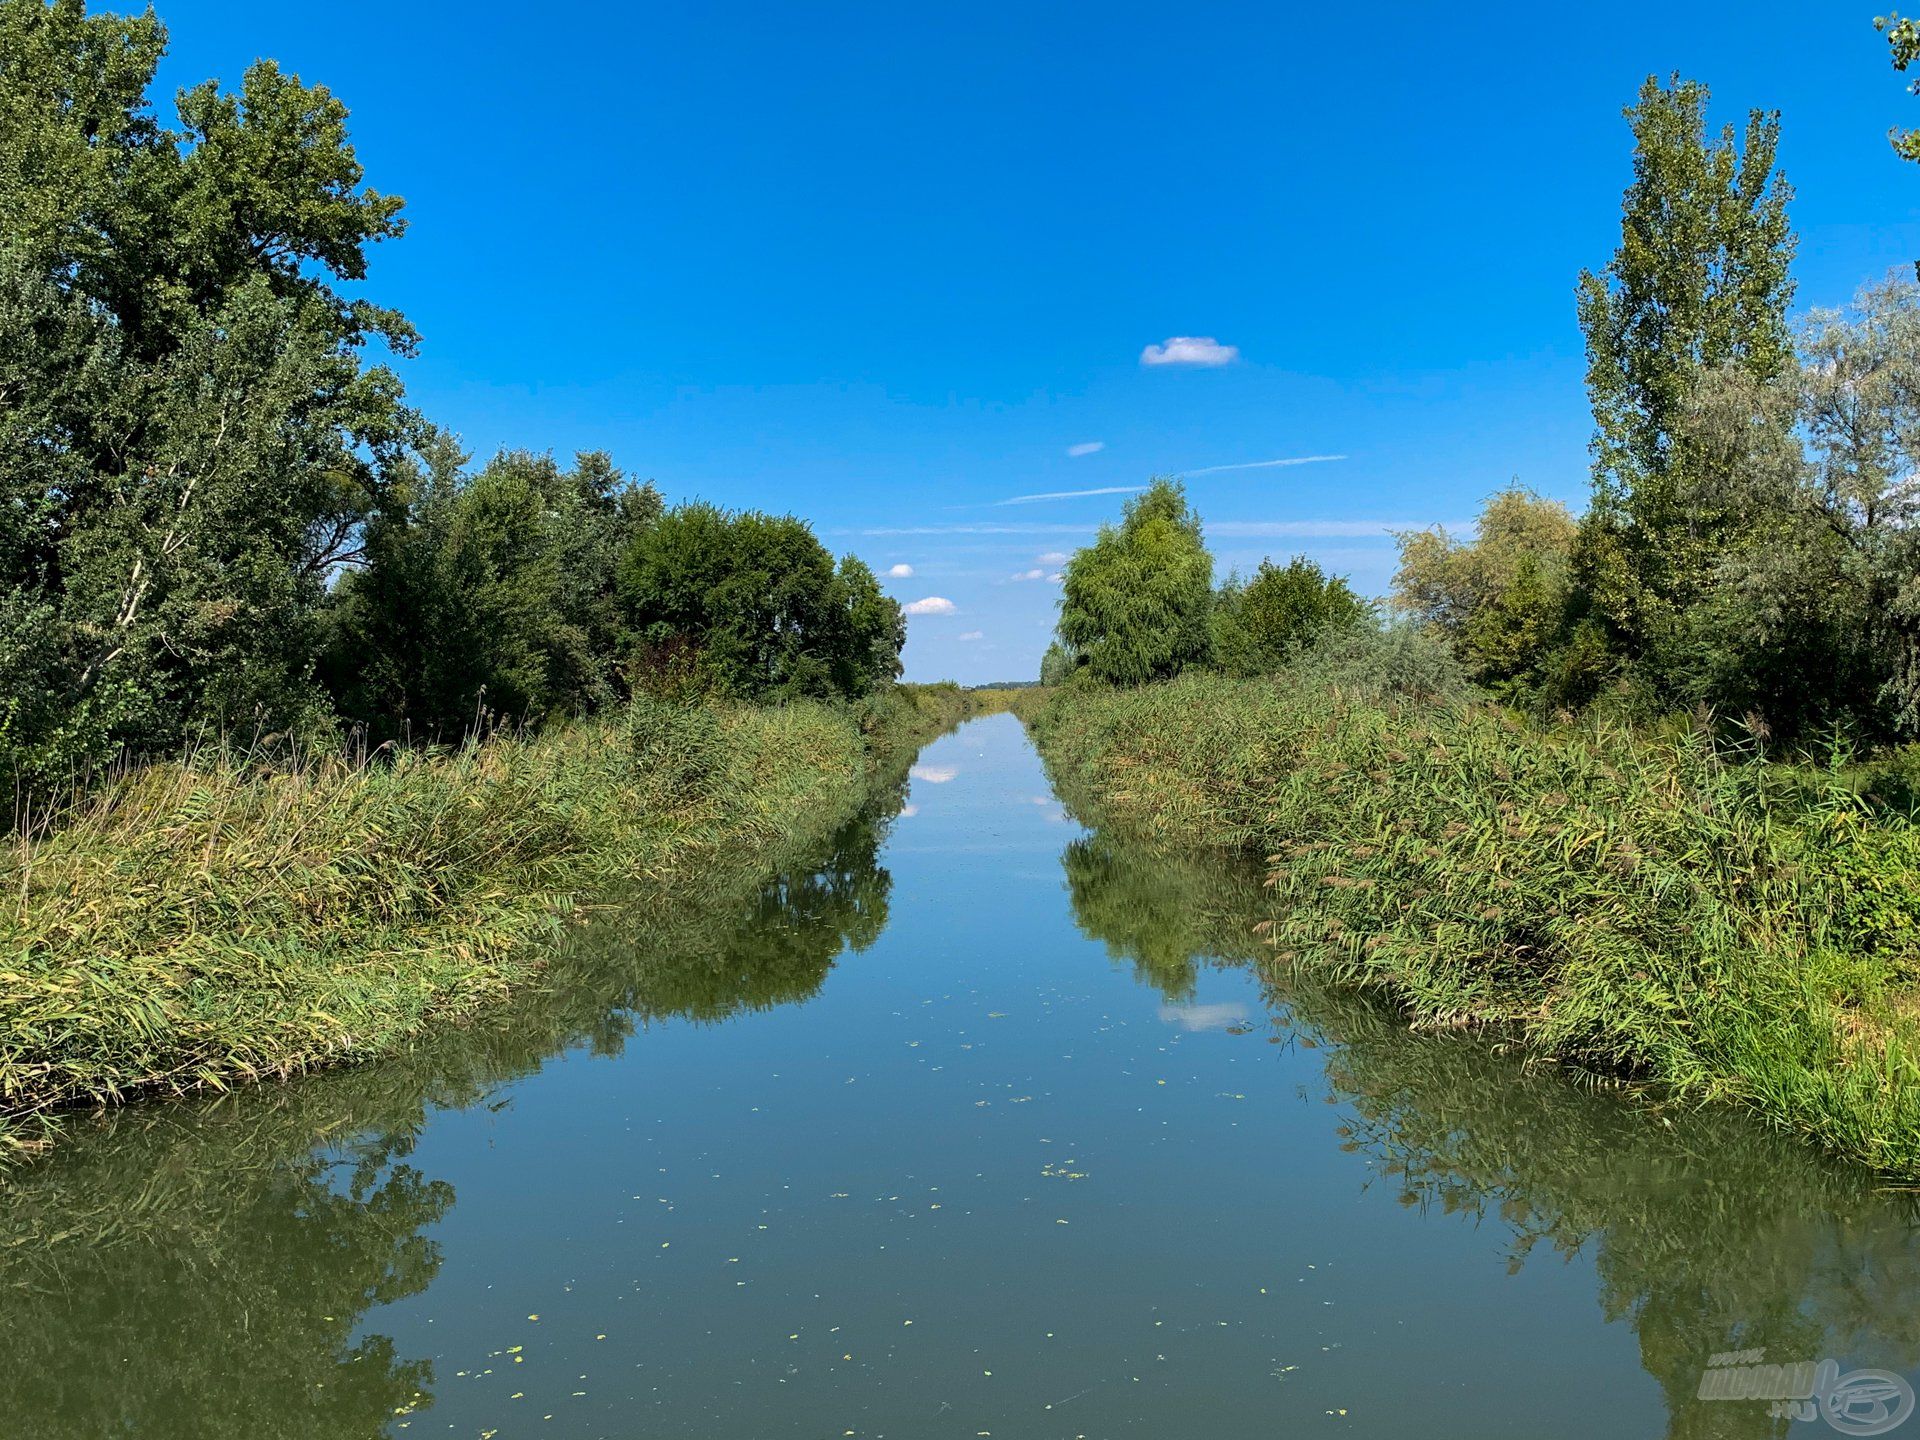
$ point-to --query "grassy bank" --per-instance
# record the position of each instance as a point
(1642, 907)
(215, 921)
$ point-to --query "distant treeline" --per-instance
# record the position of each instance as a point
(218, 513)
(1751, 544)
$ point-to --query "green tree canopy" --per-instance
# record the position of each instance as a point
(753, 605)
(1700, 281)
(1136, 604)
(494, 592)
(191, 436)
(1260, 624)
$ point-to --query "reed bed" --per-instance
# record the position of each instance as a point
(1652, 908)
(222, 919)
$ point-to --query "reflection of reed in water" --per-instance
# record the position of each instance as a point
(196, 1270)
(1707, 1232)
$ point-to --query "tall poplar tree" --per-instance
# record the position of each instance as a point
(1699, 282)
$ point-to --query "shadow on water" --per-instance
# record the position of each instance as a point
(202, 1268)
(1707, 1233)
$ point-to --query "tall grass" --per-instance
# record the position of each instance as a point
(217, 919)
(1645, 907)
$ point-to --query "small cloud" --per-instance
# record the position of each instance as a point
(974, 635)
(901, 572)
(1072, 494)
(932, 605)
(1057, 576)
(1086, 447)
(934, 774)
(907, 810)
(1029, 575)
(1054, 557)
(1190, 350)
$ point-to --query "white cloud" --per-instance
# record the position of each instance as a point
(1086, 447)
(901, 572)
(1057, 576)
(1029, 575)
(1190, 350)
(932, 605)
(974, 635)
(1266, 464)
(1072, 494)
(934, 774)
(1054, 557)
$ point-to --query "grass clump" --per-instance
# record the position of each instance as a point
(218, 919)
(1650, 907)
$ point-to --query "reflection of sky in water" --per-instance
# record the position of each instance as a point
(1203, 1017)
(935, 774)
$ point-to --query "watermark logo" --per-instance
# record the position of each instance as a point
(1854, 1402)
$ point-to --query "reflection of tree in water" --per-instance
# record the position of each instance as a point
(774, 947)
(1160, 914)
(1707, 1232)
(198, 1270)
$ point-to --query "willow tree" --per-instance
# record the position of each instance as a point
(1136, 605)
(1700, 282)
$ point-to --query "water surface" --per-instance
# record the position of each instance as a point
(970, 1122)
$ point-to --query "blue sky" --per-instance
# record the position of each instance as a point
(887, 266)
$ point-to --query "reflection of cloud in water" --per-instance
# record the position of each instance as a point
(1203, 1017)
(934, 774)
(909, 809)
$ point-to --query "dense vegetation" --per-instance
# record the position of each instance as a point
(218, 513)
(1536, 794)
(213, 920)
(1642, 905)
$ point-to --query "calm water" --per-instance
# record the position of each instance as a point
(974, 1123)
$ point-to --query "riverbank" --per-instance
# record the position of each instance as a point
(214, 922)
(1637, 907)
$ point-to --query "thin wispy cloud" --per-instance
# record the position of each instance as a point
(1054, 557)
(1265, 464)
(1088, 447)
(1071, 494)
(1201, 350)
(1029, 575)
(931, 605)
(901, 572)
(974, 635)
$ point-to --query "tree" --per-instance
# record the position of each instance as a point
(752, 605)
(1504, 601)
(1813, 616)
(1137, 603)
(1903, 45)
(1700, 281)
(1260, 625)
(491, 593)
(191, 438)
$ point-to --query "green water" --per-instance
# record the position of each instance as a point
(972, 1123)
